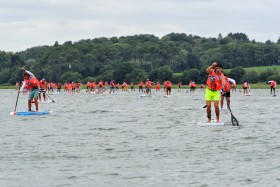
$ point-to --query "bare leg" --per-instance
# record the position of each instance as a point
(208, 109)
(217, 111)
(36, 104)
(228, 101)
(29, 105)
(222, 101)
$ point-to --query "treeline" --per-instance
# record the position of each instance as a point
(176, 56)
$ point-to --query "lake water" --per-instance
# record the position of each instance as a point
(125, 140)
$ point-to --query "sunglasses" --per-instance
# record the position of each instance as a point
(218, 68)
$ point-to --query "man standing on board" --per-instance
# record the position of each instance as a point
(32, 84)
(215, 82)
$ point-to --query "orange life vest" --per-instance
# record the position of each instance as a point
(31, 83)
(148, 84)
(227, 86)
(43, 84)
(214, 81)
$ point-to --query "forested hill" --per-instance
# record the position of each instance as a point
(175, 56)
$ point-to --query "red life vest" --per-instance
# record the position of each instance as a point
(168, 84)
(192, 85)
(43, 84)
(214, 81)
(31, 83)
(148, 84)
(245, 85)
(227, 86)
(273, 83)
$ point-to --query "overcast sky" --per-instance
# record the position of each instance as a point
(28, 23)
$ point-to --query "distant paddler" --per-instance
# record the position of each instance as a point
(32, 84)
(245, 88)
(273, 85)
(168, 86)
(215, 82)
(226, 92)
(149, 87)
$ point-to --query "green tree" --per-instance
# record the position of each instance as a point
(71, 77)
(237, 74)
(165, 73)
(121, 71)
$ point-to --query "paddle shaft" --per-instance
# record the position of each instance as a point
(50, 98)
(17, 96)
(16, 102)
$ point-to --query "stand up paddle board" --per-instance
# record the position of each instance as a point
(212, 123)
(247, 94)
(274, 95)
(28, 113)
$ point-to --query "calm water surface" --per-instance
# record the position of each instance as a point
(125, 140)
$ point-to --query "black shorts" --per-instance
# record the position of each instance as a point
(227, 94)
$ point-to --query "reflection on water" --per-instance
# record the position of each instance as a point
(128, 140)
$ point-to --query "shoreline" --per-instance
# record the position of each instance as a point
(252, 86)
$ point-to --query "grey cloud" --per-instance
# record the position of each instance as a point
(28, 23)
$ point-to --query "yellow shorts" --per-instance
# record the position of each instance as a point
(212, 95)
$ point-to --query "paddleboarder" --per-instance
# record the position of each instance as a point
(226, 92)
(215, 82)
(273, 85)
(32, 84)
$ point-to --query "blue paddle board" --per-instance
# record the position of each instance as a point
(26, 113)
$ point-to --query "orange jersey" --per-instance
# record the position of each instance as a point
(157, 86)
(214, 81)
(31, 83)
(227, 86)
(148, 84)
(168, 84)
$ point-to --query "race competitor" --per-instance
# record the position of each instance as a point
(180, 87)
(157, 87)
(112, 86)
(226, 92)
(32, 84)
(132, 86)
(141, 84)
(215, 82)
(168, 86)
(245, 87)
(192, 86)
(273, 85)
(42, 90)
(149, 87)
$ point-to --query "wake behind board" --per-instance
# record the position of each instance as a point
(212, 123)
(143, 95)
(44, 102)
(27, 113)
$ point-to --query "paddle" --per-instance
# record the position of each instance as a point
(50, 98)
(233, 119)
(17, 99)
(18, 95)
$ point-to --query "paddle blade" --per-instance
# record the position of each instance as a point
(234, 121)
